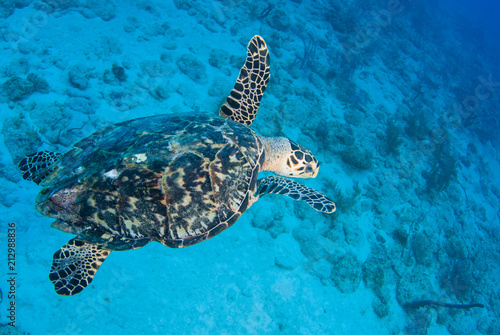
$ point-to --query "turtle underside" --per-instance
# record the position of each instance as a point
(167, 178)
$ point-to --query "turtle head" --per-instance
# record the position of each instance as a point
(287, 158)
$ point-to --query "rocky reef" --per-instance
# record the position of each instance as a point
(402, 115)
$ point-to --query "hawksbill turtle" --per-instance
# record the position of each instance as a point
(173, 179)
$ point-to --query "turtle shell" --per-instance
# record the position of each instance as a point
(178, 180)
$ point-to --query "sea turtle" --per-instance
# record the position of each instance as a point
(174, 179)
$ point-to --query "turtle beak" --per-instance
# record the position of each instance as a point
(315, 172)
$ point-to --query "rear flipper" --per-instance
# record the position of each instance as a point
(296, 191)
(36, 167)
(75, 265)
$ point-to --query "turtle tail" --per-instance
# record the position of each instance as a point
(36, 167)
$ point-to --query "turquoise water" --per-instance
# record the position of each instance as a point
(399, 101)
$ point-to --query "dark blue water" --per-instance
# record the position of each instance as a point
(482, 15)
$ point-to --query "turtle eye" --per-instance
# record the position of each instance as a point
(309, 168)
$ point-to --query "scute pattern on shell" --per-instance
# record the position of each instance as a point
(173, 179)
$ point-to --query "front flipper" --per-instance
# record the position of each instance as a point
(243, 102)
(36, 167)
(75, 265)
(296, 191)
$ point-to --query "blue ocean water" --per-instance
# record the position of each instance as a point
(398, 100)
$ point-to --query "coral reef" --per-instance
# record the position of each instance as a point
(119, 72)
(288, 255)
(458, 280)
(392, 138)
(54, 6)
(357, 157)
(6, 9)
(422, 303)
(308, 56)
(345, 201)
(277, 19)
(106, 10)
(322, 269)
(312, 245)
(417, 124)
(39, 84)
(115, 76)
(354, 116)
(79, 77)
(16, 88)
(19, 137)
(380, 307)
(82, 104)
(423, 249)
(375, 269)
(415, 286)
(88, 8)
(52, 123)
(443, 169)
(419, 322)
(160, 92)
(347, 273)
(410, 121)
(9, 330)
(192, 67)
